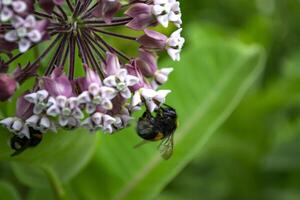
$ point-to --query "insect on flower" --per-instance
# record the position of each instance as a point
(113, 85)
(159, 127)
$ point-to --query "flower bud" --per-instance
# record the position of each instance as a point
(8, 86)
(58, 84)
(153, 40)
(107, 9)
(142, 16)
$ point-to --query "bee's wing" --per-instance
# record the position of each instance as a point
(166, 147)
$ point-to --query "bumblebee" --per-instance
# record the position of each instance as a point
(160, 126)
(21, 144)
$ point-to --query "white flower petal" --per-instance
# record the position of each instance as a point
(6, 14)
(45, 123)
(151, 105)
(17, 125)
(84, 97)
(11, 36)
(90, 108)
(106, 104)
(136, 99)
(32, 98)
(61, 101)
(24, 45)
(19, 6)
(34, 36)
(126, 93)
(148, 93)
(108, 92)
(161, 95)
(7, 122)
(94, 89)
(63, 121)
(110, 81)
(32, 121)
(97, 118)
(53, 111)
(131, 80)
(25, 132)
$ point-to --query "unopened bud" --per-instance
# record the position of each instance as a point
(8, 86)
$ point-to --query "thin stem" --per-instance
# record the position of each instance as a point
(53, 61)
(89, 11)
(77, 7)
(114, 34)
(43, 15)
(116, 19)
(108, 25)
(62, 12)
(72, 57)
(81, 51)
(30, 69)
(84, 7)
(70, 5)
(91, 44)
(110, 48)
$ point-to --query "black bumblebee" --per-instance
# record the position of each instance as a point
(21, 144)
(159, 127)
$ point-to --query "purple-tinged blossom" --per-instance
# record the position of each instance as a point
(41, 123)
(17, 124)
(97, 96)
(147, 62)
(161, 76)
(175, 44)
(26, 31)
(48, 5)
(153, 99)
(67, 110)
(115, 83)
(8, 86)
(40, 100)
(157, 41)
(90, 78)
(153, 40)
(107, 9)
(142, 16)
(118, 78)
(12, 8)
(58, 84)
(121, 81)
(167, 11)
(99, 121)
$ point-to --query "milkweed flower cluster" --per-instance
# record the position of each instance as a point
(112, 84)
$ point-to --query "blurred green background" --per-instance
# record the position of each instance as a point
(236, 91)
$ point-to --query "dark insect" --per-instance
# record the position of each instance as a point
(159, 127)
(21, 144)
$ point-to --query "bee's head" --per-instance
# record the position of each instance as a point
(169, 112)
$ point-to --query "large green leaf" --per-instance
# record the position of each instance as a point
(65, 152)
(214, 74)
(8, 192)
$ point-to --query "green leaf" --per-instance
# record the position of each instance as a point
(8, 192)
(66, 153)
(214, 74)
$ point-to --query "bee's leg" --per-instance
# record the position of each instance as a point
(147, 114)
(141, 143)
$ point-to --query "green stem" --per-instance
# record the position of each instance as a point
(55, 182)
